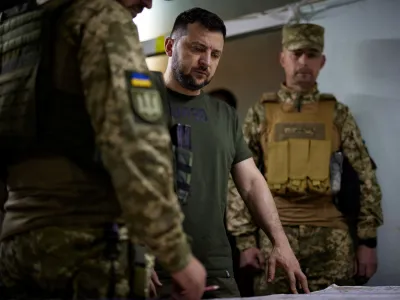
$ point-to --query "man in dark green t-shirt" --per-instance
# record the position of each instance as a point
(218, 148)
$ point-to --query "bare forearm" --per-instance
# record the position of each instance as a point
(261, 204)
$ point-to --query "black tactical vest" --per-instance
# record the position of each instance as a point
(21, 37)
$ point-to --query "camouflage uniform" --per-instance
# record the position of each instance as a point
(57, 250)
(326, 254)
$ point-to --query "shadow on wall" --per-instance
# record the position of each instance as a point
(364, 73)
(377, 116)
(249, 67)
(376, 73)
(377, 66)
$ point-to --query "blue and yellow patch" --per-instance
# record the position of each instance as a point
(140, 80)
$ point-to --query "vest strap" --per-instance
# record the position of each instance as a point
(327, 97)
(269, 98)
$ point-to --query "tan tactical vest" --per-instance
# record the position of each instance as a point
(298, 146)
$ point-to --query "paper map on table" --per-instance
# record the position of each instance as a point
(335, 292)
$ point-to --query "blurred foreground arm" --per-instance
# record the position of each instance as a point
(135, 149)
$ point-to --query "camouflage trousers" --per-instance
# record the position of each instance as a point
(326, 257)
(64, 264)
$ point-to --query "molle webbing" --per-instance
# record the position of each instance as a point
(298, 145)
(21, 45)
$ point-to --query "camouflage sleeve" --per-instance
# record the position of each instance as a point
(134, 142)
(252, 126)
(239, 220)
(353, 146)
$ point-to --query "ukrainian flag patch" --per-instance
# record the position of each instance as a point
(140, 80)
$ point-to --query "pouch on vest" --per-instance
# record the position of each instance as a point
(182, 148)
(318, 179)
(138, 271)
(181, 145)
(21, 39)
(336, 168)
(348, 198)
(116, 237)
(158, 79)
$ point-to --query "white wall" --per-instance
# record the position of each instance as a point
(161, 17)
(363, 70)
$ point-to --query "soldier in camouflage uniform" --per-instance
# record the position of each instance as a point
(73, 224)
(291, 137)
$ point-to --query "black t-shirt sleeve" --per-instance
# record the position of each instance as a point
(242, 151)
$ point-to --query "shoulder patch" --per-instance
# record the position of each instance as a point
(269, 97)
(139, 79)
(144, 97)
(327, 97)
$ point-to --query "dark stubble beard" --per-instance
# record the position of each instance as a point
(305, 85)
(186, 80)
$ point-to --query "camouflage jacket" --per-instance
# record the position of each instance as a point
(135, 151)
(239, 221)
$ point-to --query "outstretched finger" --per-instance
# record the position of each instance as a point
(292, 280)
(271, 269)
(155, 279)
(211, 288)
(303, 282)
(361, 269)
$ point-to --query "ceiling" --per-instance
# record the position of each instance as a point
(160, 18)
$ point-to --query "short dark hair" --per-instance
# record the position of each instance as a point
(206, 18)
(227, 96)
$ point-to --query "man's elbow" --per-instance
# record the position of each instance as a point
(255, 183)
(247, 178)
